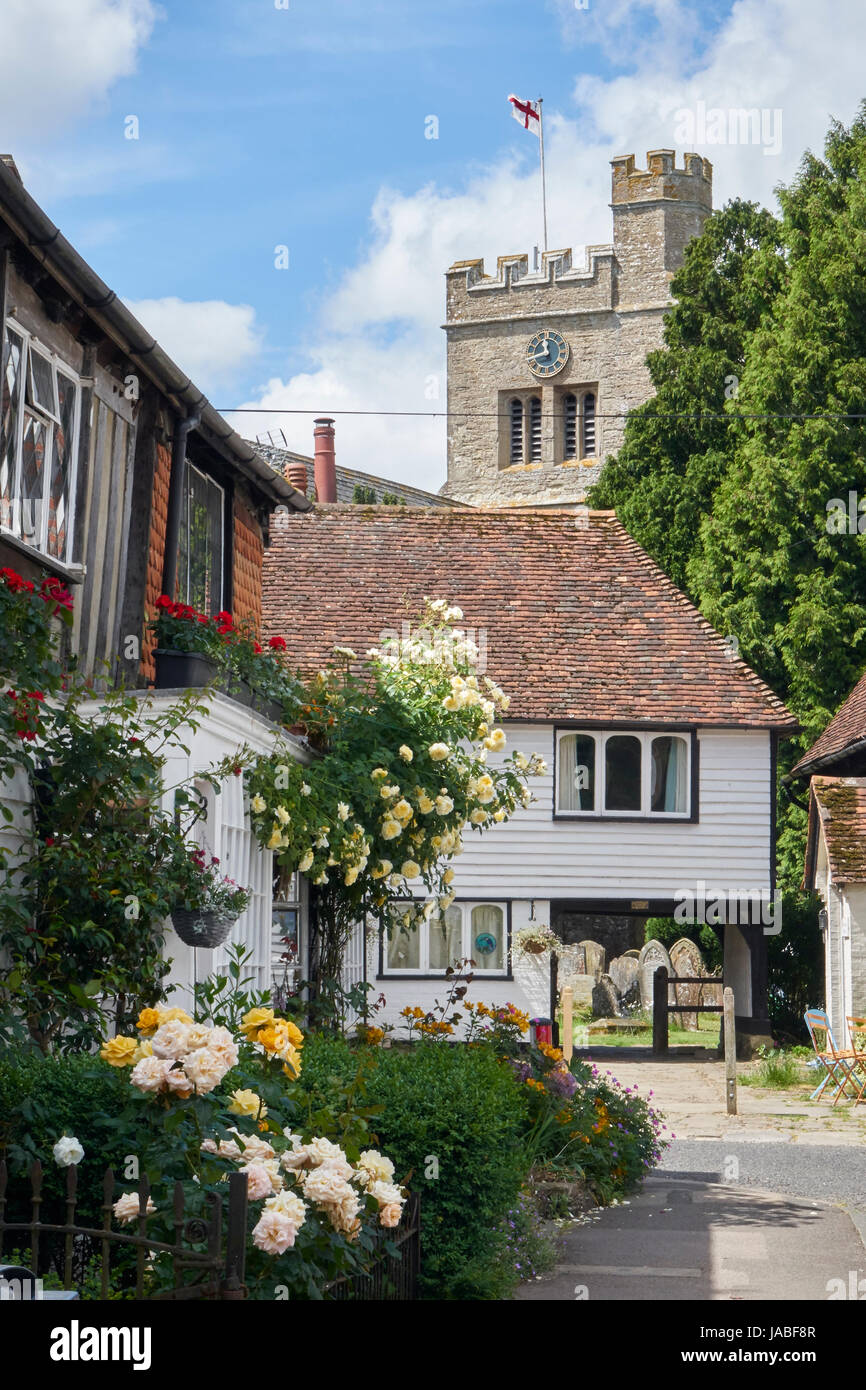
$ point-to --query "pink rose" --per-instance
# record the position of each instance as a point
(274, 1233)
(258, 1181)
(390, 1215)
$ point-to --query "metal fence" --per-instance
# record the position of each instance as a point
(204, 1265)
(394, 1276)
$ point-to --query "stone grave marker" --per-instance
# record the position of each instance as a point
(652, 956)
(624, 973)
(596, 958)
(686, 959)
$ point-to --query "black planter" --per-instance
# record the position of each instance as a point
(207, 929)
(239, 691)
(271, 709)
(182, 670)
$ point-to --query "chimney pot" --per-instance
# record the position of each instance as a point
(324, 465)
(296, 474)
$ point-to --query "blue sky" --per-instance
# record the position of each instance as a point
(305, 126)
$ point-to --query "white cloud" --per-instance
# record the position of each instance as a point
(383, 320)
(61, 56)
(210, 340)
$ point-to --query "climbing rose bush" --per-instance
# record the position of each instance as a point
(403, 776)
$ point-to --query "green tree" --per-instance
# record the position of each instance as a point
(679, 444)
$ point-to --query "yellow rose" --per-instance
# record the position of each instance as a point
(149, 1020)
(248, 1103)
(292, 1064)
(410, 869)
(170, 1015)
(391, 828)
(256, 1019)
(296, 1037)
(119, 1051)
(144, 1049)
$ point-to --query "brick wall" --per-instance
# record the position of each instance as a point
(155, 551)
(247, 566)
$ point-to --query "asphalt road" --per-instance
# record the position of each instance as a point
(831, 1173)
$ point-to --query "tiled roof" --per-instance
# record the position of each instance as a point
(847, 727)
(840, 803)
(578, 621)
(350, 478)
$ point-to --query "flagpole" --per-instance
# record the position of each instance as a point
(543, 182)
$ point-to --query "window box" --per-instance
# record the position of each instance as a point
(183, 670)
(626, 774)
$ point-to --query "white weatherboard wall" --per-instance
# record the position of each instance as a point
(535, 856)
(226, 833)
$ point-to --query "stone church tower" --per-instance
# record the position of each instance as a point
(544, 365)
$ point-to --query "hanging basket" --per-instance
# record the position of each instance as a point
(534, 948)
(208, 929)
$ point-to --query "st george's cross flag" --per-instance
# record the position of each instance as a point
(527, 113)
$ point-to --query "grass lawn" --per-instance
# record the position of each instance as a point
(707, 1035)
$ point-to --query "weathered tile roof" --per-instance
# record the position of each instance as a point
(579, 622)
(846, 728)
(840, 805)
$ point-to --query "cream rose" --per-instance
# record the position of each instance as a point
(205, 1069)
(274, 1233)
(258, 1181)
(67, 1151)
(149, 1074)
(128, 1207)
(439, 752)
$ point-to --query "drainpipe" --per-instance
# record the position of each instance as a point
(175, 500)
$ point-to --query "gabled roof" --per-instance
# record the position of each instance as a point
(838, 806)
(578, 621)
(845, 734)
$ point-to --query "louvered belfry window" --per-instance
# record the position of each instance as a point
(516, 451)
(588, 450)
(569, 411)
(535, 429)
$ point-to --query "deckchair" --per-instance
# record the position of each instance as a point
(857, 1036)
(839, 1063)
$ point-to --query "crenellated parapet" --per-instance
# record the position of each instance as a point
(662, 180)
(472, 293)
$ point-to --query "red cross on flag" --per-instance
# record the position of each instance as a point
(527, 113)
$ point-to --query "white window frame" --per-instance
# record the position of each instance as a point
(50, 421)
(424, 968)
(600, 738)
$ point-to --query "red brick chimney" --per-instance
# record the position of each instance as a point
(323, 464)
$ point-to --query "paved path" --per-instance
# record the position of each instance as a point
(768, 1204)
(683, 1238)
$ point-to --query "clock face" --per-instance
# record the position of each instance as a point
(547, 353)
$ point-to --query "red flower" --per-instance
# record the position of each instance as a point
(49, 839)
(35, 695)
(224, 617)
(256, 648)
(164, 601)
(237, 771)
(278, 644)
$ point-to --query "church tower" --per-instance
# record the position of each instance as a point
(544, 365)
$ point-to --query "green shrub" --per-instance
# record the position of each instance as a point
(42, 1098)
(453, 1118)
(777, 1070)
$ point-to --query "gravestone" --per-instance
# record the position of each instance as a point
(686, 959)
(605, 999)
(651, 957)
(596, 958)
(624, 973)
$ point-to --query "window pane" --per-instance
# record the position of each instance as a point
(622, 773)
(10, 406)
(61, 469)
(570, 425)
(40, 386)
(446, 939)
(487, 937)
(404, 947)
(669, 791)
(200, 564)
(31, 491)
(576, 774)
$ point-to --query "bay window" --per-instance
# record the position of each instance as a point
(623, 774)
(40, 407)
(465, 930)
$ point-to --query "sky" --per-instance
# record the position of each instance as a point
(276, 187)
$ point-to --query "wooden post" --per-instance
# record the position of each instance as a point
(730, 1052)
(567, 1022)
(660, 1011)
